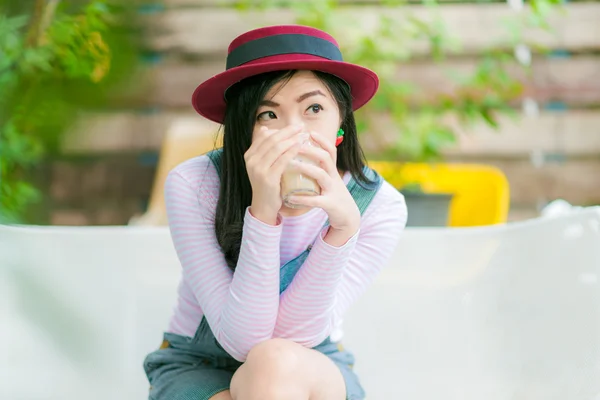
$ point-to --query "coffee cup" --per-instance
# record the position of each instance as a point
(295, 183)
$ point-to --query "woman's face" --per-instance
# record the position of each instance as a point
(301, 99)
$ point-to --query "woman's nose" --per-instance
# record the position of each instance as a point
(295, 120)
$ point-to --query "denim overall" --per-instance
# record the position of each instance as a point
(198, 368)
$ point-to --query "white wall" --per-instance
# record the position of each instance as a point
(508, 312)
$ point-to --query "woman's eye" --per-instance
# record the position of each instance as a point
(267, 115)
(315, 108)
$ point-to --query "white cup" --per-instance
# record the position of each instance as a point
(295, 183)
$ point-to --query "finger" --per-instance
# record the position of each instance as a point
(320, 156)
(273, 146)
(274, 137)
(263, 134)
(285, 159)
(269, 160)
(257, 140)
(308, 201)
(312, 171)
(325, 144)
(279, 148)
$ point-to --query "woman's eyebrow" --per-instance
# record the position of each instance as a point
(269, 103)
(309, 94)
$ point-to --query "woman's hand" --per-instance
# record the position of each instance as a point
(266, 159)
(335, 199)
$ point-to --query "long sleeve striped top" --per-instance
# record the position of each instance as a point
(245, 308)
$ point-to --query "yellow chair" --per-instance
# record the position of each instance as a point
(186, 138)
(481, 194)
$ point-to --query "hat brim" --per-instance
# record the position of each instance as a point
(209, 97)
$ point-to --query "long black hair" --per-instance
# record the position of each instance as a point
(235, 195)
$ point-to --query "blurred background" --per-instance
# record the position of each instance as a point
(488, 112)
(486, 107)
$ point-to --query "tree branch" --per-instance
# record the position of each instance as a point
(43, 13)
(34, 26)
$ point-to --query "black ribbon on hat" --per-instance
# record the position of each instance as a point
(283, 44)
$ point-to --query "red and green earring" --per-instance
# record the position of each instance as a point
(340, 137)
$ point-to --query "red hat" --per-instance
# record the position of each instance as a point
(277, 48)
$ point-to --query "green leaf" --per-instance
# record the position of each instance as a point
(37, 60)
(487, 115)
(12, 25)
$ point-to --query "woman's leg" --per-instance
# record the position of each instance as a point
(281, 369)
(222, 396)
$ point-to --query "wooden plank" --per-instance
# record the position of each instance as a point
(477, 27)
(123, 132)
(174, 81)
(94, 181)
(569, 80)
(524, 212)
(577, 182)
(574, 133)
(116, 132)
(232, 3)
(93, 190)
(551, 135)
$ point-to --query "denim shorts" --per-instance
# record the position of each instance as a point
(184, 369)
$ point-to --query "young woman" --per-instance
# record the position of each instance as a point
(265, 286)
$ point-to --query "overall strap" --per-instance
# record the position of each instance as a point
(215, 156)
(364, 193)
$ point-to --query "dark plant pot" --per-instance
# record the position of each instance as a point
(425, 209)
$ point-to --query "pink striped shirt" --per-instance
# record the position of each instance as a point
(245, 308)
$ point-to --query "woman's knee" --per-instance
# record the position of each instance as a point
(225, 395)
(270, 372)
(281, 355)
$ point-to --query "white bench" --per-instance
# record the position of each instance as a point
(505, 312)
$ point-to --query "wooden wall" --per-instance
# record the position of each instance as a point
(555, 154)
